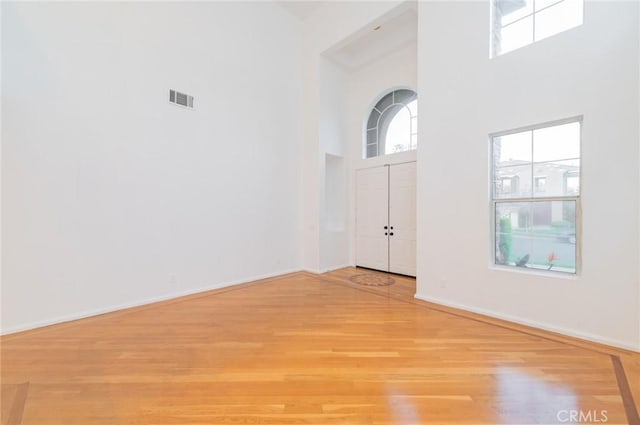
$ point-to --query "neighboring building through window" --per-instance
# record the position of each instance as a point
(540, 183)
(535, 194)
(393, 124)
(572, 182)
(508, 185)
(517, 23)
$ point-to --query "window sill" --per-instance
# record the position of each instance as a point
(536, 272)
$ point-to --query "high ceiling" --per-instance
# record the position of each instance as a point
(377, 41)
(382, 37)
(301, 9)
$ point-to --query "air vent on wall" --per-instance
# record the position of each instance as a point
(180, 99)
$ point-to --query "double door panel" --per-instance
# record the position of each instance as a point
(386, 218)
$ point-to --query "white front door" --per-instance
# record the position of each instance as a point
(402, 219)
(372, 216)
(386, 218)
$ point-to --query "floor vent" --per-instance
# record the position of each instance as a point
(181, 99)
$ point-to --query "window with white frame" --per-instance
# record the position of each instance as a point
(517, 23)
(535, 221)
(392, 125)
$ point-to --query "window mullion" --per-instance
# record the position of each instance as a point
(533, 36)
(547, 6)
(540, 199)
(532, 150)
(517, 20)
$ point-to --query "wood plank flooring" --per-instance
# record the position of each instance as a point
(299, 349)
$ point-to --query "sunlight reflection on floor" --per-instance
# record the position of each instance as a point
(521, 397)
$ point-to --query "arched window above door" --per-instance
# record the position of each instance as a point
(393, 124)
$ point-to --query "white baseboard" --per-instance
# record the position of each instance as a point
(534, 324)
(327, 269)
(332, 268)
(110, 309)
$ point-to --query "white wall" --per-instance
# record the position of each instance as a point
(332, 145)
(366, 86)
(346, 19)
(114, 197)
(1, 161)
(591, 70)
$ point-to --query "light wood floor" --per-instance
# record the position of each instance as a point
(308, 349)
